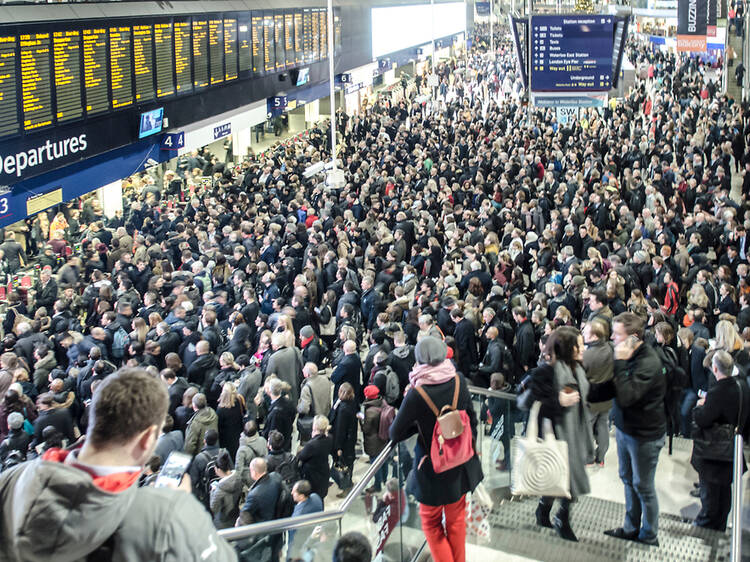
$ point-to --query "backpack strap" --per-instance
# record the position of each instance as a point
(427, 399)
(455, 391)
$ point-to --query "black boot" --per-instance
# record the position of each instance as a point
(561, 523)
(542, 514)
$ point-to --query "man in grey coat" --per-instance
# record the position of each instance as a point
(599, 364)
(86, 503)
(315, 396)
(285, 363)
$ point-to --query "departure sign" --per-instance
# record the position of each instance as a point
(143, 48)
(216, 50)
(245, 47)
(200, 53)
(315, 37)
(182, 56)
(289, 39)
(323, 16)
(36, 94)
(8, 109)
(230, 49)
(67, 60)
(278, 38)
(269, 53)
(571, 53)
(163, 44)
(299, 47)
(120, 66)
(95, 70)
(256, 39)
(307, 32)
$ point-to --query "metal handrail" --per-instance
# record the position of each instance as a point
(288, 523)
(492, 393)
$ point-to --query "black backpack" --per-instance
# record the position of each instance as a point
(207, 477)
(285, 502)
(288, 470)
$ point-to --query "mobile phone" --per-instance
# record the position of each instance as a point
(173, 470)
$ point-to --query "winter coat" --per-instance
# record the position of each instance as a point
(373, 444)
(203, 420)
(315, 464)
(286, 363)
(250, 448)
(315, 390)
(598, 362)
(225, 497)
(343, 418)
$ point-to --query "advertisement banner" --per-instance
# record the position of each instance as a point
(692, 23)
(713, 9)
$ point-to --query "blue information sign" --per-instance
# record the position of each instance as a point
(571, 53)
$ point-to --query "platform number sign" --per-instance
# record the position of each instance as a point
(173, 141)
(4, 206)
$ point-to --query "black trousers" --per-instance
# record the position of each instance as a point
(716, 502)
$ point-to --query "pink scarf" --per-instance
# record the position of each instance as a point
(432, 374)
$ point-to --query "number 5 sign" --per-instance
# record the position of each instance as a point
(173, 141)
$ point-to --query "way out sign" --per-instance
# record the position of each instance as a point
(566, 115)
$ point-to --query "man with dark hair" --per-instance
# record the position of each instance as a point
(95, 485)
(638, 387)
(525, 347)
(171, 439)
(352, 547)
(200, 463)
(307, 502)
(203, 420)
(466, 345)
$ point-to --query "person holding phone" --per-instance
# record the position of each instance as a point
(96, 485)
(638, 387)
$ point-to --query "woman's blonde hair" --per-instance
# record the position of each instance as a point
(727, 337)
(321, 425)
(229, 396)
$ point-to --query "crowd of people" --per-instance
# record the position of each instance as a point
(476, 241)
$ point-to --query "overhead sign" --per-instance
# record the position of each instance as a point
(222, 130)
(482, 8)
(571, 53)
(566, 115)
(692, 25)
(173, 141)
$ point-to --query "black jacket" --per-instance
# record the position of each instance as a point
(314, 463)
(344, 422)
(60, 419)
(348, 370)
(721, 407)
(415, 416)
(466, 346)
(281, 418)
(526, 345)
(199, 370)
(638, 387)
(175, 394)
(260, 504)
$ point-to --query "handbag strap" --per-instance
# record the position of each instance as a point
(739, 411)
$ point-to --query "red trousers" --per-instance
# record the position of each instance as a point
(447, 543)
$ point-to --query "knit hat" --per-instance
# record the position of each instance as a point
(430, 350)
(306, 332)
(15, 420)
(371, 392)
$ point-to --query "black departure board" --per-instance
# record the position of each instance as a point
(245, 46)
(143, 62)
(323, 16)
(289, 39)
(95, 70)
(269, 51)
(66, 50)
(337, 32)
(163, 54)
(278, 39)
(315, 36)
(36, 97)
(8, 100)
(216, 50)
(230, 49)
(182, 49)
(307, 28)
(200, 53)
(121, 66)
(299, 47)
(256, 40)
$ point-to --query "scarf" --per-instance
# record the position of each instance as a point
(423, 374)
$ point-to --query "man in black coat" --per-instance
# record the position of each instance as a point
(45, 290)
(281, 414)
(348, 370)
(176, 387)
(525, 340)
(466, 345)
(204, 364)
(60, 419)
(492, 361)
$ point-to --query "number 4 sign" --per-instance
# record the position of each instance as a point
(173, 141)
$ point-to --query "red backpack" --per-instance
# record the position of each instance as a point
(387, 415)
(451, 438)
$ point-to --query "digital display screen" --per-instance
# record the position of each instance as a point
(245, 46)
(216, 50)
(151, 122)
(303, 77)
(182, 50)
(163, 49)
(66, 46)
(256, 23)
(143, 62)
(8, 106)
(121, 66)
(289, 39)
(269, 51)
(571, 53)
(323, 17)
(200, 54)
(36, 97)
(299, 43)
(231, 70)
(278, 39)
(307, 33)
(95, 70)
(315, 36)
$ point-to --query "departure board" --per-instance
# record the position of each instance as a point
(230, 49)
(299, 47)
(289, 39)
(245, 46)
(36, 97)
(256, 40)
(200, 53)
(216, 50)
(315, 37)
(121, 66)
(95, 70)
(66, 47)
(8, 105)
(163, 45)
(307, 29)
(278, 39)
(323, 15)
(269, 52)
(183, 75)
(337, 32)
(143, 62)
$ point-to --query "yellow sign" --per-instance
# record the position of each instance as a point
(43, 201)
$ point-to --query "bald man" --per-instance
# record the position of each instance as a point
(493, 359)
(348, 370)
(204, 363)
